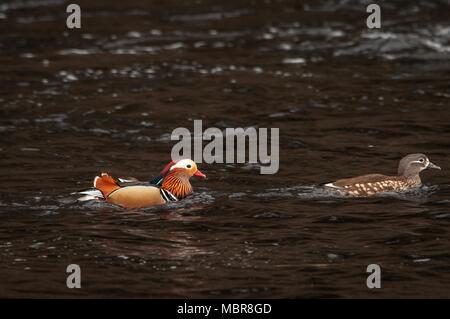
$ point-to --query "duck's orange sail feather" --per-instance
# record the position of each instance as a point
(106, 184)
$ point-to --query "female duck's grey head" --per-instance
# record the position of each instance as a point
(413, 164)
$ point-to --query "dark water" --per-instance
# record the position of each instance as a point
(347, 100)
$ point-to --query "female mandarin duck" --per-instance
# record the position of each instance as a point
(408, 177)
(171, 185)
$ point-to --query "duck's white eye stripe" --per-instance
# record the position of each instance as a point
(185, 163)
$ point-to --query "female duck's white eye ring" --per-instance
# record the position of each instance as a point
(421, 160)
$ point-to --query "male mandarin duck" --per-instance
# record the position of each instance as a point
(171, 185)
(408, 177)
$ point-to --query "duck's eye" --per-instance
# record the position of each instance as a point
(188, 165)
(421, 160)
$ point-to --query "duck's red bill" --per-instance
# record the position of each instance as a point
(199, 174)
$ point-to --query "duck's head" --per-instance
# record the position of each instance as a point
(413, 164)
(187, 166)
(175, 177)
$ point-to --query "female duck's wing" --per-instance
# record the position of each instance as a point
(349, 182)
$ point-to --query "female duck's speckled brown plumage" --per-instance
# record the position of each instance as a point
(408, 177)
